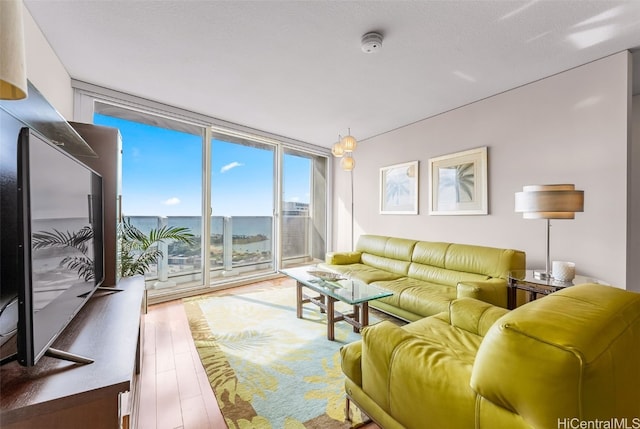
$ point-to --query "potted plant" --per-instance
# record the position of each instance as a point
(138, 250)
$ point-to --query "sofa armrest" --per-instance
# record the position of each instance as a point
(342, 258)
(379, 346)
(474, 316)
(351, 361)
(493, 291)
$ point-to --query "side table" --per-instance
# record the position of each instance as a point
(526, 281)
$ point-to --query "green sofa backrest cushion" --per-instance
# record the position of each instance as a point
(489, 261)
(386, 253)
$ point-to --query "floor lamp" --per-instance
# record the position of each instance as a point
(344, 149)
(549, 202)
(13, 75)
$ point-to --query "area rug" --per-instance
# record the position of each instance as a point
(269, 369)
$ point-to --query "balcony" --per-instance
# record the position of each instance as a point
(238, 246)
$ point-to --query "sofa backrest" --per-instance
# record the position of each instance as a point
(450, 263)
(386, 253)
(444, 263)
(574, 354)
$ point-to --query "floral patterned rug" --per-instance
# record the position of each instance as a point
(269, 369)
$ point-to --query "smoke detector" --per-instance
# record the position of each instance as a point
(371, 42)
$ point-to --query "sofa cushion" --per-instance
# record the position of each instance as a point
(416, 296)
(425, 362)
(489, 261)
(442, 276)
(395, 266)
(366, 273)
(389, 247)
(430, 253)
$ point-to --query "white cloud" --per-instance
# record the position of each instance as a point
(173, 201)
(229, 166)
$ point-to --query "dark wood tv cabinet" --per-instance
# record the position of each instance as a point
(61, 394)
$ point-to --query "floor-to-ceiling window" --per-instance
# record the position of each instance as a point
(161, 187)
(242, 200)
(254, 203)
(303, 211)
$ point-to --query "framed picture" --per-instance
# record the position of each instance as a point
(459, 183)
(399, 188)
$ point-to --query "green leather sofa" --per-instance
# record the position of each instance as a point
(426, 276)
(567, 360)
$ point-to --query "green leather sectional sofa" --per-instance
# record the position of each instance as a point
(568, 360)
(426, 276)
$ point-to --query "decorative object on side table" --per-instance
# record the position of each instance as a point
(533, 285)
(563, 271)
(549, 202)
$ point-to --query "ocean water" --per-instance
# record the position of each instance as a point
(240, 225)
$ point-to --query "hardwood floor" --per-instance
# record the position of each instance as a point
(174, 390)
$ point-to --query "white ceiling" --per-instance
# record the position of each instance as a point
(295, 68)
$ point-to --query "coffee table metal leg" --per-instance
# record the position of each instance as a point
(299, 300)
(330, 319)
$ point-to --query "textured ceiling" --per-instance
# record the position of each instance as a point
(295, 68)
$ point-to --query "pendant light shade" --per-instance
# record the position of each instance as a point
(347, 163)
(337, 150)
(349, 143)
(13, 75)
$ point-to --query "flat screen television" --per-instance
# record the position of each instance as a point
(59, 241)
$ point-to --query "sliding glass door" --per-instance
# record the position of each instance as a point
(303, 208)
(242, 200)
(161, 187)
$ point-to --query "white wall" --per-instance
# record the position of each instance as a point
(44, 69)
(568, 128)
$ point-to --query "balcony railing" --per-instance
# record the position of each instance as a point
(237, 244)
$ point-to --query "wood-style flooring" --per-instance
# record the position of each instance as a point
(174, 390)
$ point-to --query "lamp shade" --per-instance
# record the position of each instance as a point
(347, 163)
(13, 75)
(349, 143)
(337, 150)
(549, 201)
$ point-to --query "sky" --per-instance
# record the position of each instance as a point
(162, 174)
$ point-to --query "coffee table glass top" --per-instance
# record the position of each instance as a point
(351, 291)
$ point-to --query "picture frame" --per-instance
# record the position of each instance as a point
(399, 188)
(459, 183)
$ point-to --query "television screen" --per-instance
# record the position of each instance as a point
(60, 223)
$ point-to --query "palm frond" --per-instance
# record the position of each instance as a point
(77, 240)
(81, 264)
(138, 251)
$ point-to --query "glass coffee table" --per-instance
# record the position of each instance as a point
(330, 288)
